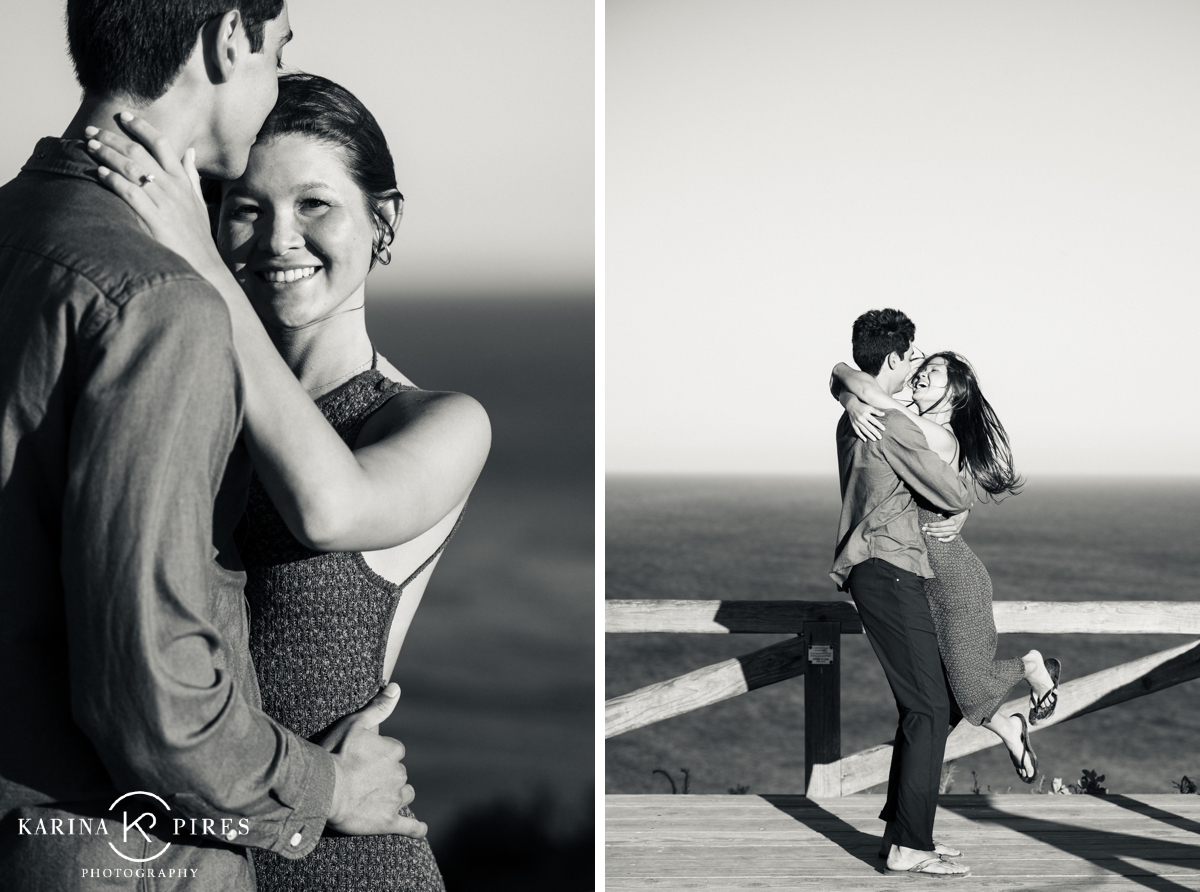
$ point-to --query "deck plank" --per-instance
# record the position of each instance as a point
(1012, 842)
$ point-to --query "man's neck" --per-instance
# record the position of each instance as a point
(887, 385)
(171, 115)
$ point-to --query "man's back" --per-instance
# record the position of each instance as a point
(878, 480)
(72, 258)
(123, 655)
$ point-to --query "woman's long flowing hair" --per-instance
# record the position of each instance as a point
(982, 440)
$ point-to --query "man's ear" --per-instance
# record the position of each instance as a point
(893, 359)
(222, 40)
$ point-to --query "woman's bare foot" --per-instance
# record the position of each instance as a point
(1008, 729)
(1037, 676)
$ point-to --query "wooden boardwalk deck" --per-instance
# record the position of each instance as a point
(1012, 842)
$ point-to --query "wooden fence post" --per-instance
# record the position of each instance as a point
(823, 710)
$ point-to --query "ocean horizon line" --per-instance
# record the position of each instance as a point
(1080, 476)
(396, 294)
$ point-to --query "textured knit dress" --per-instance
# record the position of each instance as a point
(960, 599)
(319, 626)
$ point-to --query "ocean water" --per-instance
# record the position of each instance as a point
(497, 670)
(772, 538)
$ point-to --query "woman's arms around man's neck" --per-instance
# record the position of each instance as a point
(864, 402)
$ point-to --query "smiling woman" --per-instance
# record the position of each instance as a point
(488, 109)
(335, 571)
(318, 205)
(299, 247)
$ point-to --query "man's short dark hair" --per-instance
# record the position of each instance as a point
(878, 333)
(137, 47)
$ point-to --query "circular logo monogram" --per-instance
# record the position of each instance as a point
(134, 822)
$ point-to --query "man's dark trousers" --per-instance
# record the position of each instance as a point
(896, 619)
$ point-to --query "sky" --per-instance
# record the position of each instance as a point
(1021, 178)
(488, 108)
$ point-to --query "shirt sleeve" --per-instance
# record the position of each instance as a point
(155, 418)
(922, 469)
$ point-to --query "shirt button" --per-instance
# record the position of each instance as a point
(231, 835)
(295, 840)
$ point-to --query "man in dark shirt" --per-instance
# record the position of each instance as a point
(124, 663)
(881, 559)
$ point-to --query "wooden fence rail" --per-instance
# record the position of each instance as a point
(718, 617)
(711, 684)
(768, 617)
(816, 654)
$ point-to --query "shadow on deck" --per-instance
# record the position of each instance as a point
(1011, 842)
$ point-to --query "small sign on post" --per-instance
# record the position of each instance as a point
(821, 654)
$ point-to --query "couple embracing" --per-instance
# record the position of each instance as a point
(219, 505)
(907, 475)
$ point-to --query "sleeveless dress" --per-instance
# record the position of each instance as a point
(960, 599)
(319, 625)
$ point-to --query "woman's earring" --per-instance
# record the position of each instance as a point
(384, 255)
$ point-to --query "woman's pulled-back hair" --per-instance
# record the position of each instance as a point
(314, 106)
(986, 455)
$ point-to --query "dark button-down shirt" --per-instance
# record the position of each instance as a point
(124, 662)
(879, 479)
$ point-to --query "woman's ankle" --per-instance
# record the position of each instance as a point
(1008, 729)
(1036, 674)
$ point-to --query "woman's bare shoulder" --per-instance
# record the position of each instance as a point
(392, 373)
(939, 438)
(442, 413)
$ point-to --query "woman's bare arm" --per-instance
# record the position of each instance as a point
(864, 387)
(858, 386)
(864, 419)
(335, 499)
(430, 449)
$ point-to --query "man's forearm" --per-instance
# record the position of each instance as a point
(921, 468)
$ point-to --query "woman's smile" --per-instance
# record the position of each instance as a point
(297, 232)
(929, 383)
(288, 276)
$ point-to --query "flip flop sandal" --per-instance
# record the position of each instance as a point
(946, 852)
(919, 870)
(1019, 764)
(1042, 708)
